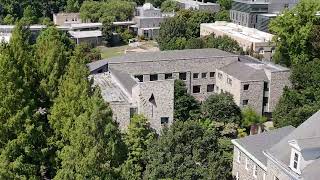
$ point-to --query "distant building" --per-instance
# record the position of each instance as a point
(147, 20)
(257, 13)
(200, 70)
(287, 153)
(258, 85)
(196, 5)
(66, 19)
(249, 39)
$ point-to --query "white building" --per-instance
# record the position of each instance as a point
(249, 39)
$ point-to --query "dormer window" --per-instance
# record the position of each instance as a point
(295, 161)
(295, 158)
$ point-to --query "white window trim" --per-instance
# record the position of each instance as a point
(254, 170)
(238, 156)
(293, 152)
(246, 166)
(237, 176)
(264, 176)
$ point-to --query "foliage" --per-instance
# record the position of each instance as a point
(185, 25)
(181, 152)
(88, 141)
(224, 43)
(225, 4)
(297, 39)
(155, 3)
(221, 108)
(170, 6)
(195, 43)
(138, 137)
(250, 117)
(185, 105)
(99, 10)
(223, 15)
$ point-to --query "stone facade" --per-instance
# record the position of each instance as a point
(177, 67)
(244, 168)
(197, 5)
(275, 172)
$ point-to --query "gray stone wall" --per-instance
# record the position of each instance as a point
(175, 67)
(149, 22)
(240, 167)
(61, 19)
(275, 171)
(254, 95)
(162, 106)
(121, 114)
(278, 81)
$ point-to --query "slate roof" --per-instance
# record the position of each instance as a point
(307, 130)
(170, 55)
(256, 144)
(96, 65)
(85, 34)
(244, 72)
(124, 79)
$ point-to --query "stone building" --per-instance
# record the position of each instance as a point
(154, 72)
(65, 19)
(197, 5)
(255, 84)
(251, 40)
(257, 13)
(147, 20)
(287, 153)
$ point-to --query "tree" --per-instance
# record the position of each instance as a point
(138, 137)
(87, 140)
(156, 3)
(221, 108)
(52, 51)
(297, 42)
(223, 15)
(225, 4)
(107, 28)
(22, 130)
(195, 43)
(224, 43)
(73, 5)
(185, 105)
(181, 152)
(252, 120)
(169, 6)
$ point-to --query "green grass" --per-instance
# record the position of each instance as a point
(108, 52)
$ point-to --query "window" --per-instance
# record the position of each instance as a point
(239, 156)
(245, 102)
(255, 172)
(210, 87)
(246, 87)
(195, 75)
(204, 75)
(286, 5)
(196, 89)
(275, 178)
(153, 77)
(219, 75)
(265, 86)
(133, 111)
(273, 50)
(212, 74)
(261, 51)
(168, 76)
(229, 81)
(183, 76)
(237, 176)
(295, 161)
(139, 77)
(247, 168)
(164, 120)
(217, 88)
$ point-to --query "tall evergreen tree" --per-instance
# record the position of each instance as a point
(22, 137)
(137, 138)
(88, 141)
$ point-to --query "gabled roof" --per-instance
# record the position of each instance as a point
(124, 79)
(256, 144)
(307, 136)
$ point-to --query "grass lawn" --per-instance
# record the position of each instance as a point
(108, 52)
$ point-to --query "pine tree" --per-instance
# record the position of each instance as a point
(88, 141)
(138, 137)
(22, 138)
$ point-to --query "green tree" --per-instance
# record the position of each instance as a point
(250, 117)
(156, 3)
(52, 54)
(221, 108)
(73, 5)
(225, 4)
(224, 43)
(185, 105)
(22, 131)
(297, 46)
(223, 15)
(169, 6)
(195, 43)
(88, 142)
(138, 137)
(181, 152)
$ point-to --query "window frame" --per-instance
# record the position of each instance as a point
(255, 171)
(154, 75)
(245, 100)
(197, 75)
(194, 87)
(246, 85)
(204, 75)
(210, 85)
(212, 74)
(168, 76)
(183, 74)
